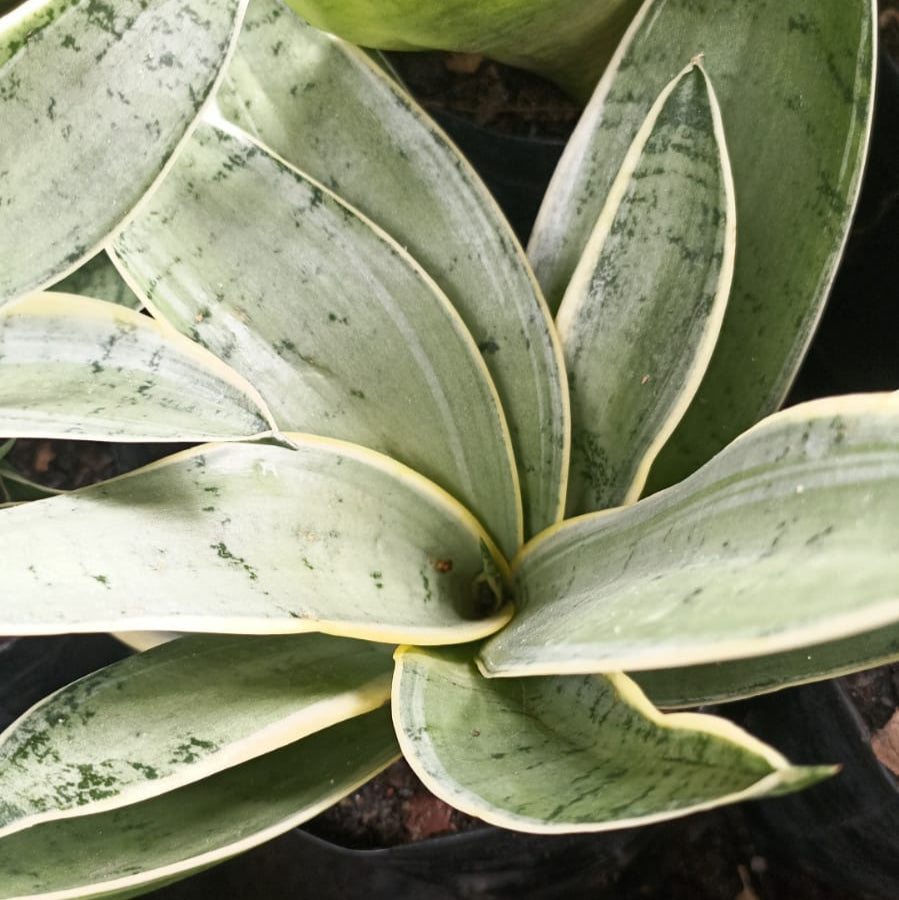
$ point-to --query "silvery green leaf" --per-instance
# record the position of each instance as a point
(571, 753)
(643, 309)
(81, 368)
(786, 538)
(255, 539)
(739, 678)
(177, 714)
(568, 41)
(325, 107)
(335, 325)
(98, 278)
(794, 81)
(95, 99)
(125, 852)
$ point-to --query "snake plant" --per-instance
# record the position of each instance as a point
(390, 429)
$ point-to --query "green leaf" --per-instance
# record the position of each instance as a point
(338, 328)
(787, 538)
(98, 278)
(329, 110)
(794, 80)
(125, 734)
(252, 538)
(568, 41)
(14, 488)
(75, 367)
(571, 754)
(740, 678)
(119, 854)
(644, 307)
(95, 99)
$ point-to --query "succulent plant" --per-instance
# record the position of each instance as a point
(386, 416)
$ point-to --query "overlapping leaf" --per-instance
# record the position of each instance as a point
(338, 328)
(328, 109)
(787, 538)
(94, 100)
(644, 307)
(125, 852)
(76, 367)
(252, 538)
(570, 753)
(794, 79)
(125, 734)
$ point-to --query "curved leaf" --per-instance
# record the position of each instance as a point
(787, 538)
(566, 40)
(737, 679)
(570, 754)
(106, 92)
(98, 278)
(794, 80)
(125, 852)
(328, 109)
(126, 733)
(251, 538)
(75, 367)
(334, 324)
(644, 307)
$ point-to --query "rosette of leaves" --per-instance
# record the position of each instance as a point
(390, 431)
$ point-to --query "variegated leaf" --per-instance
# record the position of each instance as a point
(252, 538)
(341, 332)
(94, 100)
(81, 368)
(740, 678)
(794, 80)
(644, 307)
(328, 109)
(786, 539)
(125, 734)
(125, 852)
(565, 754)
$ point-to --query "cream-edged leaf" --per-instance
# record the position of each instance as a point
(642, 312)
(737, 679)
(125, 852)
(570, 753)
(94, 101)
(74, 367)
(327, 108)
(786, 538)
(177, 714)
(253, 538)
(335, 325)
(794, 79)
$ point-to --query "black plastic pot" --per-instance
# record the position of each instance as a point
(847, 828)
